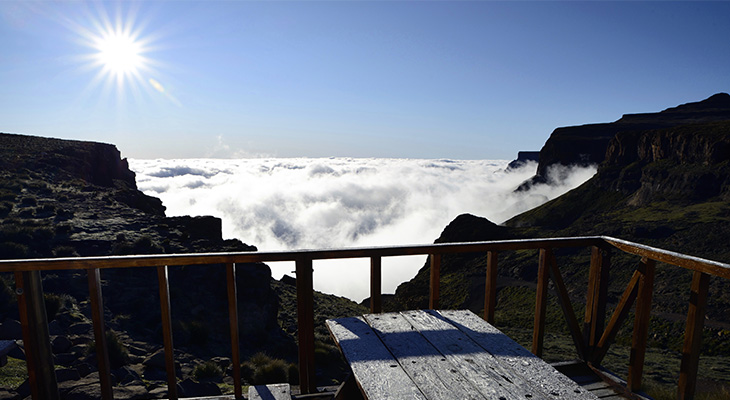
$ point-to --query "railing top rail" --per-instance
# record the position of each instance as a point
(670, 257)
(289, 255)
(678, 259)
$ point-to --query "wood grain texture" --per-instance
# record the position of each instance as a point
(693, 336)
(434, 374)
(490, 287)
(376, 283)
(232, 291)
(478, 365)
(538, 330)
(444, 355)
(305, 325)
(435, 282)
(534, 370)
(377, 372)
(641, 325)
(97, 318)
(281, 391)
(166, 315)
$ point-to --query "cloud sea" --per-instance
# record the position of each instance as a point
(307, 203)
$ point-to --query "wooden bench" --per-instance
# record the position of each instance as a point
(6, 346)
(444, 355)
(280, 391)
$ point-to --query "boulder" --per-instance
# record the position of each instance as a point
(61, 344)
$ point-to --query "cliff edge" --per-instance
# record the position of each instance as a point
(587, 144)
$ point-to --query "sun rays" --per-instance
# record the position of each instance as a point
(119, 48)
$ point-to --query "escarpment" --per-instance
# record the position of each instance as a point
(587, 144)
(688, 162)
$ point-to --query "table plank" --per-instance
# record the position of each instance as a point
(377, 373)
(482, 369)
(512, 354)
(437, 377)
(280, 391)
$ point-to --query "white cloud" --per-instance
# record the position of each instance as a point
(298, 203)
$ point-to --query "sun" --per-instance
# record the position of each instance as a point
(118, 45)
(119, 53)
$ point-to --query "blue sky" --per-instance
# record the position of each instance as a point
(462, 80)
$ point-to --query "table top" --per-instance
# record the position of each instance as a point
(450, 354)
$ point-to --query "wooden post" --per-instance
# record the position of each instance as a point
(36, 340)
(595, 318)
(97, 317)
(167, 332)
(693, 335)
(305, 325)
(641, 324)
(233, 320)
(433, 298)
(490, 287)
(538, 332)
(376, 279)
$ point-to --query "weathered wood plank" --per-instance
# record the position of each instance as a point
(604, 393)
(281, 391)
(693, 336)
(435, 282)
(376, 371)
(97, 317)
(536, 371)
(490, 287)
(641, 325)
(305, 324)
(36, 339)
(48, 264)
(166, 315)
(432, 372)
(538, 331)
(595, 317)
(482, 369)
(233, 326)
(595, 385)
(376, 284)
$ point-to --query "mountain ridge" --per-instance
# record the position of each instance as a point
(586, 144)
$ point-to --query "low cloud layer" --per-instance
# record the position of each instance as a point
(278, 204)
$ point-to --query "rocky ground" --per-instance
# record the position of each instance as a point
(64, 198)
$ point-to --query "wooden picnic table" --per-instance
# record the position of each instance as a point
(429, 354)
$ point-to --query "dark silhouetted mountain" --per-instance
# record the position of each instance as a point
(586, 144)
(523, 157)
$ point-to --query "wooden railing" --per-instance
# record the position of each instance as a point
(591, 340)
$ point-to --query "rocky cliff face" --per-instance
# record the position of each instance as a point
(689, 161)
(96, 163)
(587, 144)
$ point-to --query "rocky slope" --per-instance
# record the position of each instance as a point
(668, 188)
(586, 144)
(71, 198)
